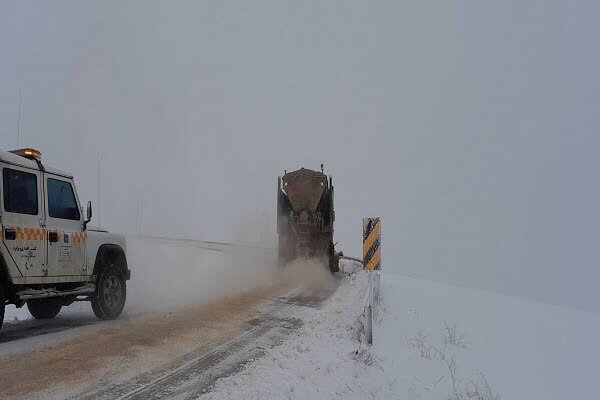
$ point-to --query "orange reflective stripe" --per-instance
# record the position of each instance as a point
(79, 237)
(27, 233)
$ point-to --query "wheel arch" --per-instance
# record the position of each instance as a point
(109, 254)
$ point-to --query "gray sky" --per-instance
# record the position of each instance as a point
(471, 128)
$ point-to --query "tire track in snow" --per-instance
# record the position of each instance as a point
(196, 372)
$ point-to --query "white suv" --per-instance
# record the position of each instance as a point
(49, 256)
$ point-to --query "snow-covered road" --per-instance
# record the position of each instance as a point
(178, 353)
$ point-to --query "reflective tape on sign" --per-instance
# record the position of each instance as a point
(372, 244)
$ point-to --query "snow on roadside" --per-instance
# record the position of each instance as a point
(431, 341)
(13, 314)
(318, 361)
(522, 349)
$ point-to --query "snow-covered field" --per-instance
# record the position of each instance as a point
(523, 349)
(425, 334)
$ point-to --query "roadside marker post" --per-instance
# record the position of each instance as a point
(372, 263)
(372, 244)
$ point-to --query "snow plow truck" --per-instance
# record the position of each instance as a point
(305, 217)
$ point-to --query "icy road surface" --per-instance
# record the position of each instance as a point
(176, 354)
(194, 313)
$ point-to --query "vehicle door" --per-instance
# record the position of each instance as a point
(23, 219)
(64, 222)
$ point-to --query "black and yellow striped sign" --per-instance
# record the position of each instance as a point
(372, 244)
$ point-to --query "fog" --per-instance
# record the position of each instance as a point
(166, 276)
(470, 128)
(170, 275)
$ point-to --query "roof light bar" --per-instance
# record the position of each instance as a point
(29, 153)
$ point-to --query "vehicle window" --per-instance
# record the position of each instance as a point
(61, 200)
(20, 192)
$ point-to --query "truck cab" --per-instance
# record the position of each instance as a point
(49, 256)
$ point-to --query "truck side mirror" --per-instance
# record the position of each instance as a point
(88, 216)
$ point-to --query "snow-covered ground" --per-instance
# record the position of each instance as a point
(431, 341)
(316, 361)
(425, 334)
(523, 349)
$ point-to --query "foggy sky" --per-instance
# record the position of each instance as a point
(471, 128)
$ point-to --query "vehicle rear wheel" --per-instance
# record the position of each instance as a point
(109, 298)
(43, 308)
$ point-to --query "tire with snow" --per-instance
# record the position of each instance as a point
(109, 298)
(43, 308)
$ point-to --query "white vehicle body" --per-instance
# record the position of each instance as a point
(46, 248)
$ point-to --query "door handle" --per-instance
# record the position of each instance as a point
(53, 236)
(10, 234)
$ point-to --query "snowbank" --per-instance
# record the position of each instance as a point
(319, 360)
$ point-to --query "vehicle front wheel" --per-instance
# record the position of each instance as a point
(43, 308)
(109, 298)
